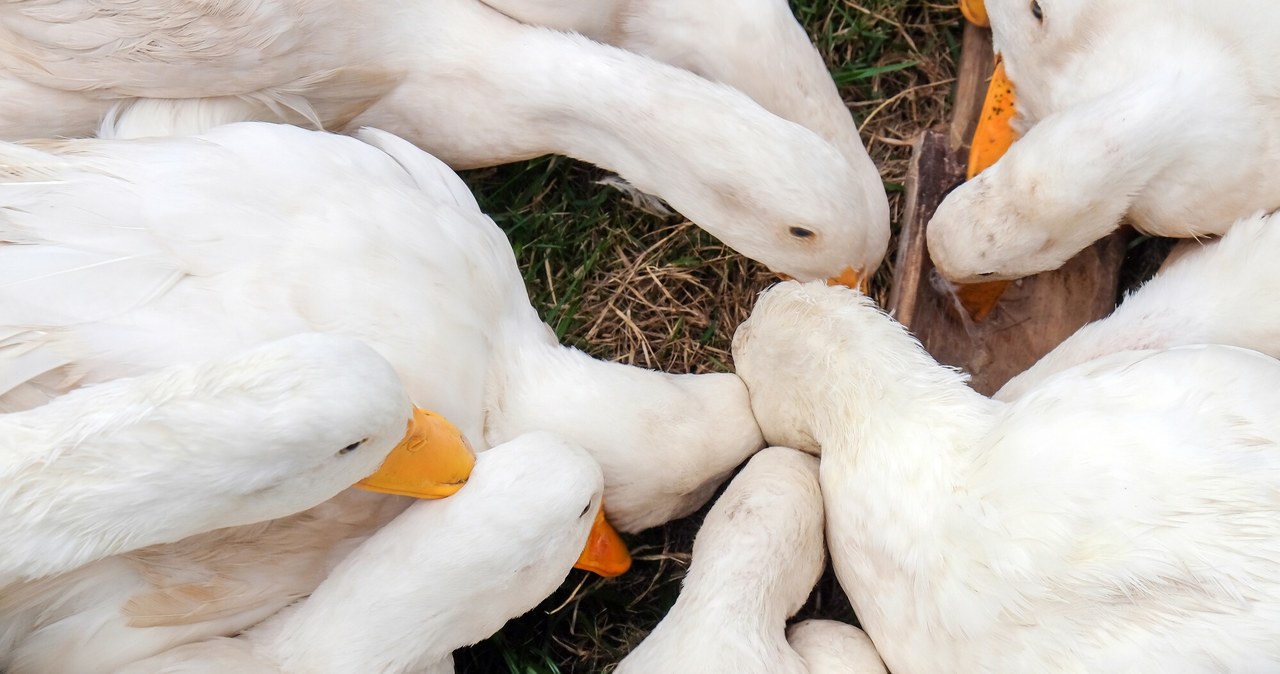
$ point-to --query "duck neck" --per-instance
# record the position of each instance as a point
(1108, 161)
(734, 601)
(387, 608)
(664, 441)
(897, 431)
(723, 624)
(543, 384)
(531, 91)
(795, 84)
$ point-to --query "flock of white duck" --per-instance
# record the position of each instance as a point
(213, 324)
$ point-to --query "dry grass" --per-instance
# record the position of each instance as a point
(656, 292)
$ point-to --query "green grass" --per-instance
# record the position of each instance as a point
(590, 258)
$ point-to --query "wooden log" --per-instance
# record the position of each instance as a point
(976, 63)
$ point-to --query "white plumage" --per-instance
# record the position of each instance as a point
(1215, 292)
(148, 252)
(442, 575)
(1162, 111)
(723, 40)
(191, 448)
(755, 560)
(1122, 516)
(462, 81)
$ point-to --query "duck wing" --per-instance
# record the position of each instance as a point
(300, 61)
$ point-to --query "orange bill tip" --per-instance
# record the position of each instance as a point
(604, 554)
(848, 277)
(852, 279)
(980, 299)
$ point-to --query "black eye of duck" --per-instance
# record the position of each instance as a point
(351, 447)
(801, 232)
(1036, 11)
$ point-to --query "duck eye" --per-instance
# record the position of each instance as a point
(801, 232)
(1036, 11)
(585, 509)
(351, 447)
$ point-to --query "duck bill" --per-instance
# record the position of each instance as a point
(995, 133)
(991, 140)
(976, 12)
(981, 299)
(432, 461)
(604, 554)
(849, 277)
(852, 279)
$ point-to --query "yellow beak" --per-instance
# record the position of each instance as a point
(976, 12)
(991, 140)
(432, 461)
(604, 554)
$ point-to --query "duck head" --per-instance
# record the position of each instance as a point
(1140, 110)
(785, 399)
(807, 214)
(447, 573)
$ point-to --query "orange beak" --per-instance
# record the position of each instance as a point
(980, 299)
(432, 461)
(604, 554)
(852, 279)
(976, 12)
(848, 277)
(994, 134)
(991, 140)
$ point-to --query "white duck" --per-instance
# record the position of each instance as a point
(1164, 111)
(324, 232)
(1123, 516)
(722, 40)
(436, 578)
(1218, 292)
(755, 560)
(264, 434)
(373, 239)
(459, 79)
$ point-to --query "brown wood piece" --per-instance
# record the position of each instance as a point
(977, 62)
(934, 170)
(1035, 314)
